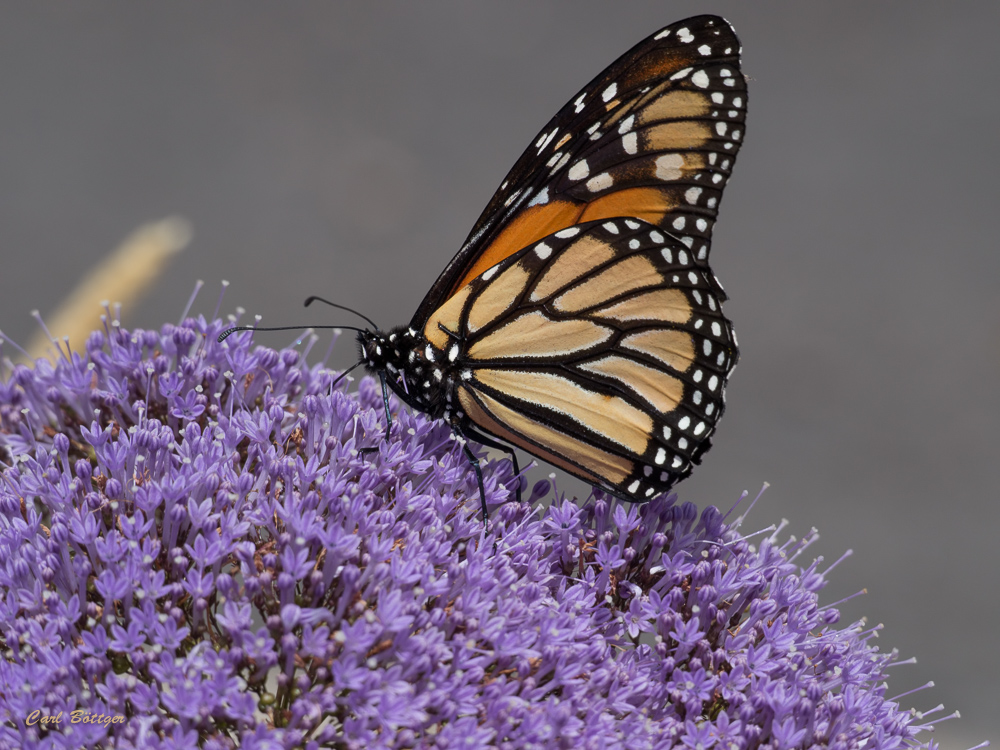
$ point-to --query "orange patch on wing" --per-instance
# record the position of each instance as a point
(675, 105)
(535, 335)
(676, 135)
(646, 203)
(661, 390)
(446, 316)
(672, 348)
(626, 275)
(667, 305)
(499, 294)
(586, 253)
(611, 416)
(515, 428)
(528, 226)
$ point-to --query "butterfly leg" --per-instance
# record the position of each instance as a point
(479, 474)
(479, 480)
(491, 443)
(388, 415)
(385, 400)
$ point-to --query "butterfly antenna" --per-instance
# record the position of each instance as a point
(346, 372)
(314, 298)
(230, 331)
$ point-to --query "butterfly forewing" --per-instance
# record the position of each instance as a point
(601, 348)
(653, 137)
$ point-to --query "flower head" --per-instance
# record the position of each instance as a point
(192, 539)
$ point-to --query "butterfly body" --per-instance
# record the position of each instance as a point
(580, 321)
(419, 373)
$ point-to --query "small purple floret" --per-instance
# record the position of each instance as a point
(191, 539)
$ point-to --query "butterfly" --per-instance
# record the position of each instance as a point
(580, 321)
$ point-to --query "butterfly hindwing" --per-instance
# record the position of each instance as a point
(653, 137)
(601, 348)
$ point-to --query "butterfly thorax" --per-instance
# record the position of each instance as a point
(419, 374)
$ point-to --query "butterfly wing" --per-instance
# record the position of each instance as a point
(601, 349)
(653, 137)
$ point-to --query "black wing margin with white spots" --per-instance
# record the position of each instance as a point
(601, 349)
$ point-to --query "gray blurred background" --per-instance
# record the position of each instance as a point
(346, 150)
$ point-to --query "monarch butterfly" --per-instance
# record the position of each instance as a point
(580, 320)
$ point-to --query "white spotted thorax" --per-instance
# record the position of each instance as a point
(581, 321)
(421, 375)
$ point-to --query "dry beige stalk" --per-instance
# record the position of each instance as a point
(121, 277)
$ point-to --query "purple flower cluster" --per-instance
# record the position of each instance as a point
(194, 551)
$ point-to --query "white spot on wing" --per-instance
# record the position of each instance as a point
(609, 93)
(630, 143)
(541, 199)
(543, 251)
(568, 232)
(685, 35)
(700, 79)
(547, 139)
(668, 166)
(600, 182)
(560, 164)
(579, 170)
